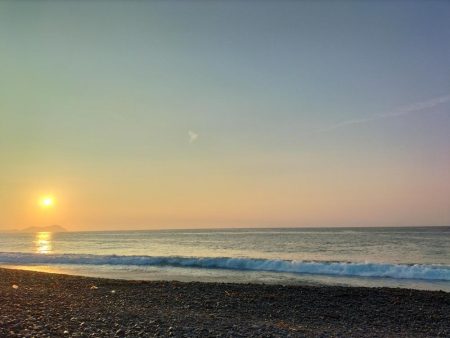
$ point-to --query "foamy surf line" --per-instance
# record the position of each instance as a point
(398, 271)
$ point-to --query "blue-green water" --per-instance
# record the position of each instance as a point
(397, 257)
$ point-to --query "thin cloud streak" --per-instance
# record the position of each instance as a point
(420, 107)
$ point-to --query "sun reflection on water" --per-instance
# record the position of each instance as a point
(43, 242)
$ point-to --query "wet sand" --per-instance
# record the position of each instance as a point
(52, 305)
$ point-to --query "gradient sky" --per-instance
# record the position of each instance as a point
(140, 115)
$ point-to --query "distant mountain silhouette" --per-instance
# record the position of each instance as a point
(50, 228)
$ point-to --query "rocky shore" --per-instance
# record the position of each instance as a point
(34, 304)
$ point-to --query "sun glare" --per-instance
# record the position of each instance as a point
(47, 202)
(43, 242)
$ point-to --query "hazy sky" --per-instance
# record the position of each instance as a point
(168, 114)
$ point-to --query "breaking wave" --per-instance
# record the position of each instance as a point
(400, 271)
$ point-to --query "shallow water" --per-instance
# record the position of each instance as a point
(396, 257)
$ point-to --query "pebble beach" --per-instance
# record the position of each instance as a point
(34, 304)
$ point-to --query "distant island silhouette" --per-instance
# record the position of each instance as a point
(50, 228)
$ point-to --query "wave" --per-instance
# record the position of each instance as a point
(398, 271)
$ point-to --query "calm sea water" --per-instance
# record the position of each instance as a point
(397, 257)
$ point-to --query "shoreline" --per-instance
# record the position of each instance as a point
(57, 305)
(232, 276)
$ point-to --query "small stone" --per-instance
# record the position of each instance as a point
(15, 286)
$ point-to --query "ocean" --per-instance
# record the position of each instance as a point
(417, 258)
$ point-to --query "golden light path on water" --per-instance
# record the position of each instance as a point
(43, 242)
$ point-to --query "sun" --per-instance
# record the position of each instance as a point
(47, 201)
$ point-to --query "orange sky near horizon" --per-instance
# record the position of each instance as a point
(221, 196)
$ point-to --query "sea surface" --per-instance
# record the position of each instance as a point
(416, 258)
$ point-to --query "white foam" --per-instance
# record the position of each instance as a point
(400, 271)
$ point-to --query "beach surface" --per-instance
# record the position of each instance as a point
(34, 304)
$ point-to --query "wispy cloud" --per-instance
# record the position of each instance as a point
(193, 136)
(416, 108)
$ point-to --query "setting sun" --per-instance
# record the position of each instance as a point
(47, 202)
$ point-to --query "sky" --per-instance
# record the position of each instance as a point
(194, 114)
